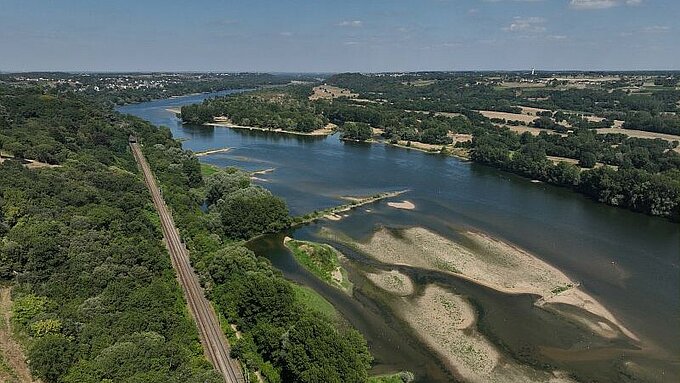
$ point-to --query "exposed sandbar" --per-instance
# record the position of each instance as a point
(332, 217)
(392, 281)
(405, 205)
(445, 322)
(221, 122)
(332, 213)
(264, 171)
(489, 262)
(211, 151)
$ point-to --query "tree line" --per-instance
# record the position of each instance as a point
(654, 110)
(646, 178)
(94, 292)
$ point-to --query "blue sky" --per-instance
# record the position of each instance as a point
(339, 35)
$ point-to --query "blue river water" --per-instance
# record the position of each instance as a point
(628, 261)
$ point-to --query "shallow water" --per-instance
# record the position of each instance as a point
(628, 261)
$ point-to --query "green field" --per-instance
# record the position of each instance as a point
(315, 302)
(207, 169)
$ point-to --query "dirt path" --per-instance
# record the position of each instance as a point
(11, 353)
(214, 342)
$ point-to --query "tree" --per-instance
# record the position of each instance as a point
(248, 212)
(357, 131)
(587, 160)
(225, 182)
(51, 356)
(438, 135)
(314, 351)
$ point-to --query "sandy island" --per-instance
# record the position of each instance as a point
(406, 205)
(445, 322)
(212, 151)
(333, 217)
(355, 202)
(263, 171)
(492, 263)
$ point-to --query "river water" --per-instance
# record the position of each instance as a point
(628, 261)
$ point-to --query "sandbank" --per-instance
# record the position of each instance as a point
(325, 131)
(263, 171)
(489, 262)
(406, 205)
(445, 322)
(211, 151)
(333, 217)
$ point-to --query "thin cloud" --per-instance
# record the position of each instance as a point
(601, 4)
(526, 25)
(350, 23)
(656, 29)
(516, 1)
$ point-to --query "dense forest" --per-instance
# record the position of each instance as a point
(95, 295)
(94, 290)
(265, 110)
(289, 109)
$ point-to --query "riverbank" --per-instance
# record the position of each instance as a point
(325, 131)
(447, 150)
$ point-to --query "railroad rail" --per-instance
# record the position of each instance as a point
(212, 338)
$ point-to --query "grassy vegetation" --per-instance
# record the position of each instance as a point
(400, 377)
(7, 374)
(322, 261)
(315, 302)
(560, 289)
(208, 170)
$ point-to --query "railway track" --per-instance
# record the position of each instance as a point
(214, 342)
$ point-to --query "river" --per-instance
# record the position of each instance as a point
(628, 261)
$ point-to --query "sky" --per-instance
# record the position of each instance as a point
(339, 35)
